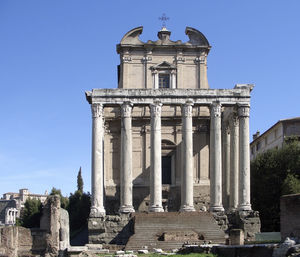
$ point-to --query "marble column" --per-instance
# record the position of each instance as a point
(215, 156)
(244, 159)
(234, 162)
(173, 79)
(226, 164)
(126, 159)
(187, 180)
(97, 205)
(155, 172)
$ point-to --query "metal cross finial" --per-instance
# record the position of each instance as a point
(163, 18)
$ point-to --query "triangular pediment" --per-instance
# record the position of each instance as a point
(163, 65)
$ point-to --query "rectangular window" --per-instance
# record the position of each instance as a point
(258, 146)
(164, 81)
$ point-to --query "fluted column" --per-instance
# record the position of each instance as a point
(126, 159)
(234, 162)
(97, 205)
(187, 183)
(226, 164)
(244, 158)
(155, 173)
(215, 156)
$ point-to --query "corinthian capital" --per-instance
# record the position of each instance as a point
(97, 110)
(215, 109)
(187, 109)
(126, 109)
(155, 109)
(244, 110)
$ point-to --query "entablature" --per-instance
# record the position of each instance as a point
(240, 95)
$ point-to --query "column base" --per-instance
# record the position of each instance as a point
(156, 208)
(244, 207)
(97, 212)
(126, 209)
(186, 208)
(216, 208)
(232, 209)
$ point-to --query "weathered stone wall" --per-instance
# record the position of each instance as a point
(248, 221)
(51, 239)
(112, 229)
(15, 241)
(289, 216)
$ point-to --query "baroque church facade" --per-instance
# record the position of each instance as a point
(163, 141)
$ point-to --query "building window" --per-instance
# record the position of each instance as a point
(164, 80)
(164, 75)
(266, 141)
(258, 146)
(252, 150)
(275, 133)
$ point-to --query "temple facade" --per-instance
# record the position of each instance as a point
(163, 140)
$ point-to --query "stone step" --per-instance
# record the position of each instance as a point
(148, 227)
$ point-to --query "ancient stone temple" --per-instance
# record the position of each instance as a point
(163, 141)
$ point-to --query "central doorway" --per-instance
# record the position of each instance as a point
(166, 162)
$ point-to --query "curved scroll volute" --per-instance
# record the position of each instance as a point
(196, 37)
(132, 37)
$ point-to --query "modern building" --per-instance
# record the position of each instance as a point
(11, 204)
(158, 139)
(275, 136)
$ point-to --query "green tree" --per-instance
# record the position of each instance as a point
(79, 210)
(291, 185)
(64, 201)
(79, 206)
(79, 182)
(31, 214)
(270, 179)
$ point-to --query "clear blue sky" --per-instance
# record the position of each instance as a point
(53, 51)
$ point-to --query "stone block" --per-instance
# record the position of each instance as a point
(237, 237)
(143, 251)
(180, 236)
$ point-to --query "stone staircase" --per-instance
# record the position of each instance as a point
(170, 230)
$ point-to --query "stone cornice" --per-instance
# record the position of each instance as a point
(227, 97)
(131, 40)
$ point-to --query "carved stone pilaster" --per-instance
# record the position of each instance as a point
(126, 59)
(200, 60)
(146, 59)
